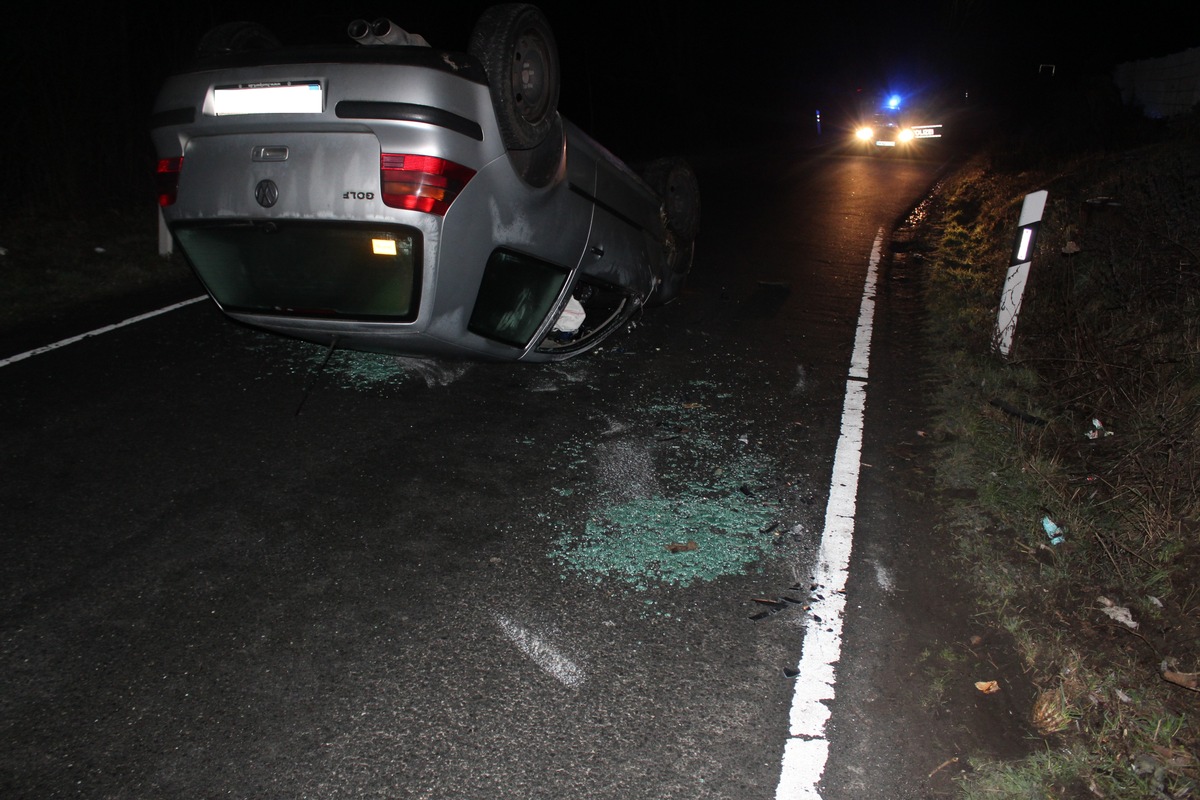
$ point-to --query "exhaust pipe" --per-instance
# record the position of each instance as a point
(360, 31)
(383, 31)
(387, 32)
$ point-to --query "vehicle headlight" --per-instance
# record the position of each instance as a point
(865, 133)
(905, 135)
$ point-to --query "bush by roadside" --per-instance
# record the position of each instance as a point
(1088, 432)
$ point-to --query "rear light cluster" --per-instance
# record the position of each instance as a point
(421, 183)
(166, 179)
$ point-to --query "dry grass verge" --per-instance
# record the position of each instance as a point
(1089, 431)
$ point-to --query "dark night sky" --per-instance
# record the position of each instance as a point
(722, 53)
(691, 61)
(655, 68)
(630, 45)
(972, 36)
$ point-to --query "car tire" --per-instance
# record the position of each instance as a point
(540, 165)
(679, 264)
(673, 180)
(516, 47)
(236, 37)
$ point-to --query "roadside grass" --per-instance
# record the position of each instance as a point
(1090, 425)
(49, 271)
(939, 669)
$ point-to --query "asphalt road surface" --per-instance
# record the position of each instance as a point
(231, 571)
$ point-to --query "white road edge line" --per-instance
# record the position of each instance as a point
(554, 663)
(37, 351)
(807, 749)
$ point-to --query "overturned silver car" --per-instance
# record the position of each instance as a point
(389, 196)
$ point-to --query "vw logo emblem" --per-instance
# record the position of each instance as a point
(266, 193)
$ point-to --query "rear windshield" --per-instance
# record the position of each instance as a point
(308, 269)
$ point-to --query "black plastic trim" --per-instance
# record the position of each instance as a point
(408, 112)
(460, 64)
(173, 116)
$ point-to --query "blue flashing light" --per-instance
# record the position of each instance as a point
(893, 102)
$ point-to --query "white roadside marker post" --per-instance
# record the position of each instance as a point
(1018, 272)
(165, 245)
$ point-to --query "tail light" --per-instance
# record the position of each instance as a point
(421, 183)
(167, 179)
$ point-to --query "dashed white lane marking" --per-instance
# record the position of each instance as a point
(554, 663)
(37, 351)
(807, 748)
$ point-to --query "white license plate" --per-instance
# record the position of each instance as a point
(294, 97)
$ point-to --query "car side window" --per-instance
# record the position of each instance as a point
(515, 296)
